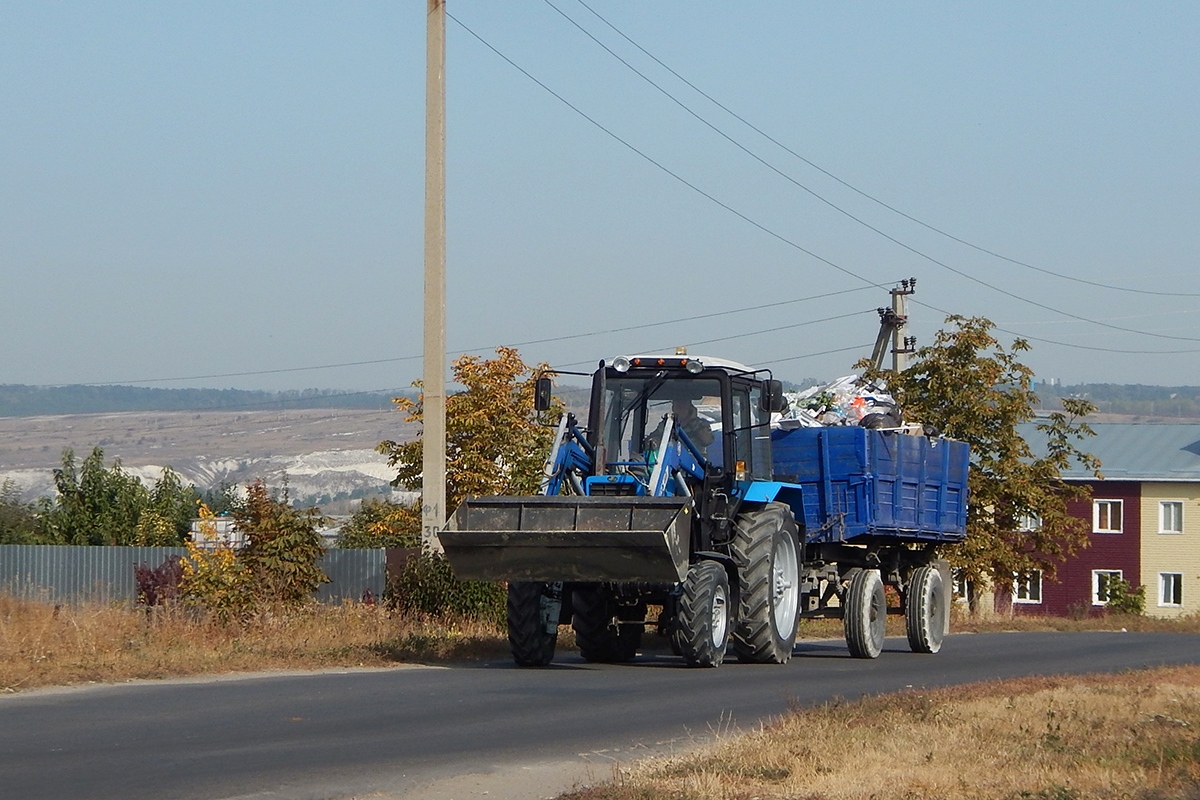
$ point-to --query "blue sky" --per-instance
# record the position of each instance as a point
(231, 194)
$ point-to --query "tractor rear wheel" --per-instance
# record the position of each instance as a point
(865, 614)
(925, 610)
(531, 642)
(701, 630)
(765, 550)
(597, 631)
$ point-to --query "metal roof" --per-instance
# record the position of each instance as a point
(1134, 452)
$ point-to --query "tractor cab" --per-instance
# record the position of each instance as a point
(719, 412)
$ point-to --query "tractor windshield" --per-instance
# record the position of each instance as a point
(636, 407)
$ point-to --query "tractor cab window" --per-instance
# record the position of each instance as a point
(635, 410)
(751, 431)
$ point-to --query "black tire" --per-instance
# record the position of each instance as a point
(925, 610)
(598, 638)
(865, 614)
(532, 645)
(765, 548)
(701, 630)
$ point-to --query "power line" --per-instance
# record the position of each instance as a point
(1071, 345)
(693, 318)
(767, 230)
(866, 346)
(831, 175)
(660, 166)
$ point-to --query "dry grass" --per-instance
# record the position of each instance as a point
(1134, 735)
(46, 645)
(962, 622)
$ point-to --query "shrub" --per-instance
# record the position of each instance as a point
(382, 523)
(158, 586)
(214, 579)
(426, 585)
(283, 549)
(1122, 599)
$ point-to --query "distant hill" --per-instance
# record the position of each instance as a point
(1160, 402)
(28, 401)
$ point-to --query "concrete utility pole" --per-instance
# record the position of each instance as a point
(902, 344)
(433, 454)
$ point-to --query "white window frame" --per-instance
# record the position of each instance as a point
(1027, 587)
(1108, 573)
(1163, 505)
(1029, 523)
(961, 587)
(1176, 589)
(1120, 514)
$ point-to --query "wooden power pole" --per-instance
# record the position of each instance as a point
(433, 455)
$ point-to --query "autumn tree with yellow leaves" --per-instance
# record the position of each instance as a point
(496, 442)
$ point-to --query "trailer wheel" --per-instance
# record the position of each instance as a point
(532, 645)
(701, 630)
(598, 638)
(765, 550)
(925, 610)
(865, 614)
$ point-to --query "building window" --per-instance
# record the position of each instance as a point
(1027, 587)
(961, 587)
(1106, 516)
(1170, 588)
(1029, 523)
(1170, 516)
(1102, 580)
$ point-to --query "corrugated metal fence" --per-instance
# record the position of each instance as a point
(65, 574)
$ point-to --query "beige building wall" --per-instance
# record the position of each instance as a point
(1177, 553)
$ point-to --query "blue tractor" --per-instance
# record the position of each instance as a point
(680, 507)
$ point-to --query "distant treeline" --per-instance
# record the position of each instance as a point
(27, 401)
(1129, 398)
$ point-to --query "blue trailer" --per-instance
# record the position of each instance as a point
(862, 484)
(679, 496)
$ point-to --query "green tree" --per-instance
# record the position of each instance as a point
(283, 548)
(496, 442)
(973, 389)
(18, 520)
(222, 499)
(172, 507)
(95, 505)
(381, 523)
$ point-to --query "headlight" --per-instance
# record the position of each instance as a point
(694, 366)
(621, 364)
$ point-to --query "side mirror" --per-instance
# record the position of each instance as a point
(772, 397)
(541, 394)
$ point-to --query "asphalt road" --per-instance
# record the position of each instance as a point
(387, 733)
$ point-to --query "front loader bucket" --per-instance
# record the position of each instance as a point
(564, 538)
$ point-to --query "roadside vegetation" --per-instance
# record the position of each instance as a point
(1133, 735)
(42, 644)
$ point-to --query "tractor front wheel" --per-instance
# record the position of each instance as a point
(701, 630)
(529, 637)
